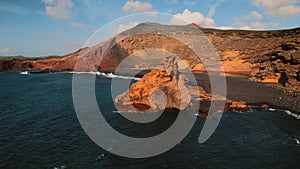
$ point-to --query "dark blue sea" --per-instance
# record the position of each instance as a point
(39, 129)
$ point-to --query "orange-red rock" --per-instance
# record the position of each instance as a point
(162, 88)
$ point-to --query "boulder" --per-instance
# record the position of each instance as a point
(238, 105)
(264, 106)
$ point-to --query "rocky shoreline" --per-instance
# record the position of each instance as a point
(258, 94)
(289, 100)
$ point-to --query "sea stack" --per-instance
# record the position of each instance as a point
(162, 88)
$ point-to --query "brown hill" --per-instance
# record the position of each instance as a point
(263, 55)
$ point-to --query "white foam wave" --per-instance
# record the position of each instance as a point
(297, 116)
(110, 75)
(93, 73)
(24, 73)
(61, 167)
(127, 112)
(297, 141)
(242, 112)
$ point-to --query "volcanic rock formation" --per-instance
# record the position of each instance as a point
(162, 88)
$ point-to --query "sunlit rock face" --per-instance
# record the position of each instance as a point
(162, 88)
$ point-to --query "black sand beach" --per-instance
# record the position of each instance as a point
(239, 88)
(257, 93)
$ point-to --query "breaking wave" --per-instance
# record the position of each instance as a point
(108, 75)
(297, 116)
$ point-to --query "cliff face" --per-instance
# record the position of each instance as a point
(263, 55)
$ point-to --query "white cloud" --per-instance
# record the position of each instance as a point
(79, 25)
(287, 11)
(254, 15)
(278, 8)
(253, 25)
(169, 11)
(262, 26)
(187, 17)
(172, 1)
(59, 9)
(225, 27)
(213, 8)
(5, 50)
(48, 1)
(123, 28)
(190, 2)
(137, 6)
(249, 26)
(73, 44)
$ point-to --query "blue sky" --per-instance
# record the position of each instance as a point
(56, 27)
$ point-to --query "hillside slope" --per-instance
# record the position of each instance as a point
(263, 55)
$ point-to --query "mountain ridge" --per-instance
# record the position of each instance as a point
(262, 55)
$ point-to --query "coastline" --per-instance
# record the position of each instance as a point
(239, 88)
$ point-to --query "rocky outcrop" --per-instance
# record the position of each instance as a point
(262, 55)
(238, 105)
(201, 96)
(283, 59)
(162, 88)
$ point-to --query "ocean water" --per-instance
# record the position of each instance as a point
(39, 129)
